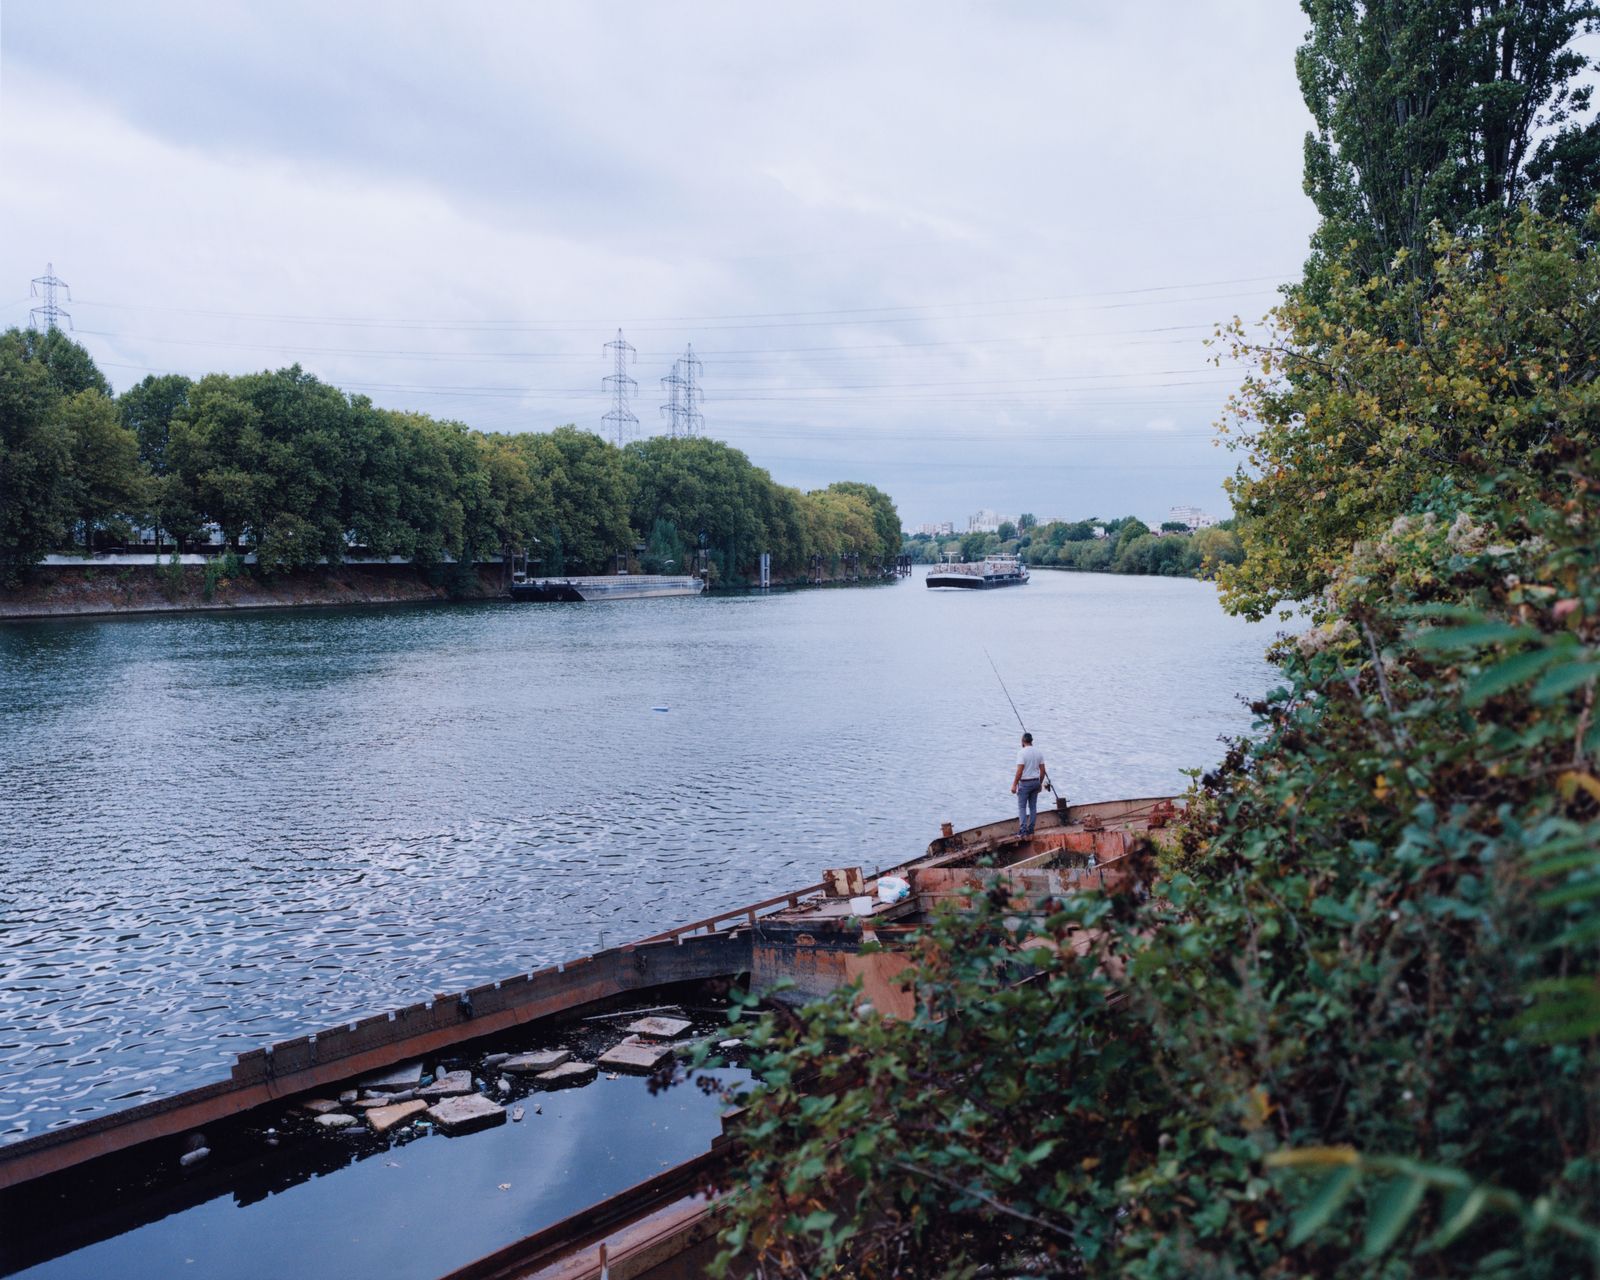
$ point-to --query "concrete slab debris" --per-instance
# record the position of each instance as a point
(637, 1055)
(660, 1028)
(534, 1063)
(336, 1120)
(466, 1114)
(382, 1119)
(319, 1106)
(393, 1080)
(450, 1085)
(567, 1074)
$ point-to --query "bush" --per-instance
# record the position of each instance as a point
(1372, 955)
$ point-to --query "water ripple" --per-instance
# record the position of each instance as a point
(221, 830)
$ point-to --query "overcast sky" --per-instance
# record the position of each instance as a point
(966, 252)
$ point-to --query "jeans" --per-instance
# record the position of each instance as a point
(1027, 805)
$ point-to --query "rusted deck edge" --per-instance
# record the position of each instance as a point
(308, 1062)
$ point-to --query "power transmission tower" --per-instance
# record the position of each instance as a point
(694, 422)
(44, 318)
(683, 387)
(621, 387)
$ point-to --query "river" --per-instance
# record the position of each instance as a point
(222, 829)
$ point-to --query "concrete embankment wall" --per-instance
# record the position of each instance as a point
(86, 589)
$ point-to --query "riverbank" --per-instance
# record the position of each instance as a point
(87, 590)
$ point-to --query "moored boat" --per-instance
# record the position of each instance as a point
(625, 586)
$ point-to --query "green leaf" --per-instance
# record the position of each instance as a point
(1505, 675)
(1460, 1211)
(819, 1220)
(1564, 679)
(1397, 1201)
(1472, 636)
(1335, 1190)
(1570, 893)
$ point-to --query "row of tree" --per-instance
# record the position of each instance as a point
(1123, 545)
(298, 472)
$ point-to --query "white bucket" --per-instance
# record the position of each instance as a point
(861, 906)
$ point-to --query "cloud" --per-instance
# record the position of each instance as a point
(934, 247)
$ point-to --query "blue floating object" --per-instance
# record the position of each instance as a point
(661, 708)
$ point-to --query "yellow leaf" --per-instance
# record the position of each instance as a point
(1312, 1157)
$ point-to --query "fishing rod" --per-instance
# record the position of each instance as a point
(1005, 690)
(1049, 784)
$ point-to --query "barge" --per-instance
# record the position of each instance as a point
(980, 575)
(125, 1170)
(635, 586)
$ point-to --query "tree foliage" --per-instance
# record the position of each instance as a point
(1376, 937)
(298, 472)
(1440, 111)
(1346, 423)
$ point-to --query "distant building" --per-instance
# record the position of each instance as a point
(1191, 516)
(937, 530)
(986, 522)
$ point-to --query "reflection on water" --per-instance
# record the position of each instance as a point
(221, 830)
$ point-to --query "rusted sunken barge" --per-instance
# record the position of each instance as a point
(809, 940)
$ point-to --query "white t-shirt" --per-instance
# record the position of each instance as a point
(1032, 760)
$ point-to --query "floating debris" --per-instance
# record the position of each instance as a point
(567, 1074)
(636, 1055)
(382, 1119)
(451, 1084)
(660, 1028)
(516, 1114)
(467, 1114)
(319, 1106)
(535, 1063)
(336, 1120)
(407, 1076)
(189, 1158)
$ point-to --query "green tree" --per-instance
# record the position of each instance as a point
(147, 409)
(1345, 423)
(1026, 521)
(1007, 531)
(885, 518)
(35, 457)
(589, 494)
(107, 482)
(70, 366)
(1430, 110)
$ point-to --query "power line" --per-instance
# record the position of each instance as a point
(521, 357)
(514, 325)
(44, 317)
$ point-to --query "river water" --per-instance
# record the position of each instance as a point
(219, 830)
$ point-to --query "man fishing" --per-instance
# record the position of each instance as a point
(1030, 777)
